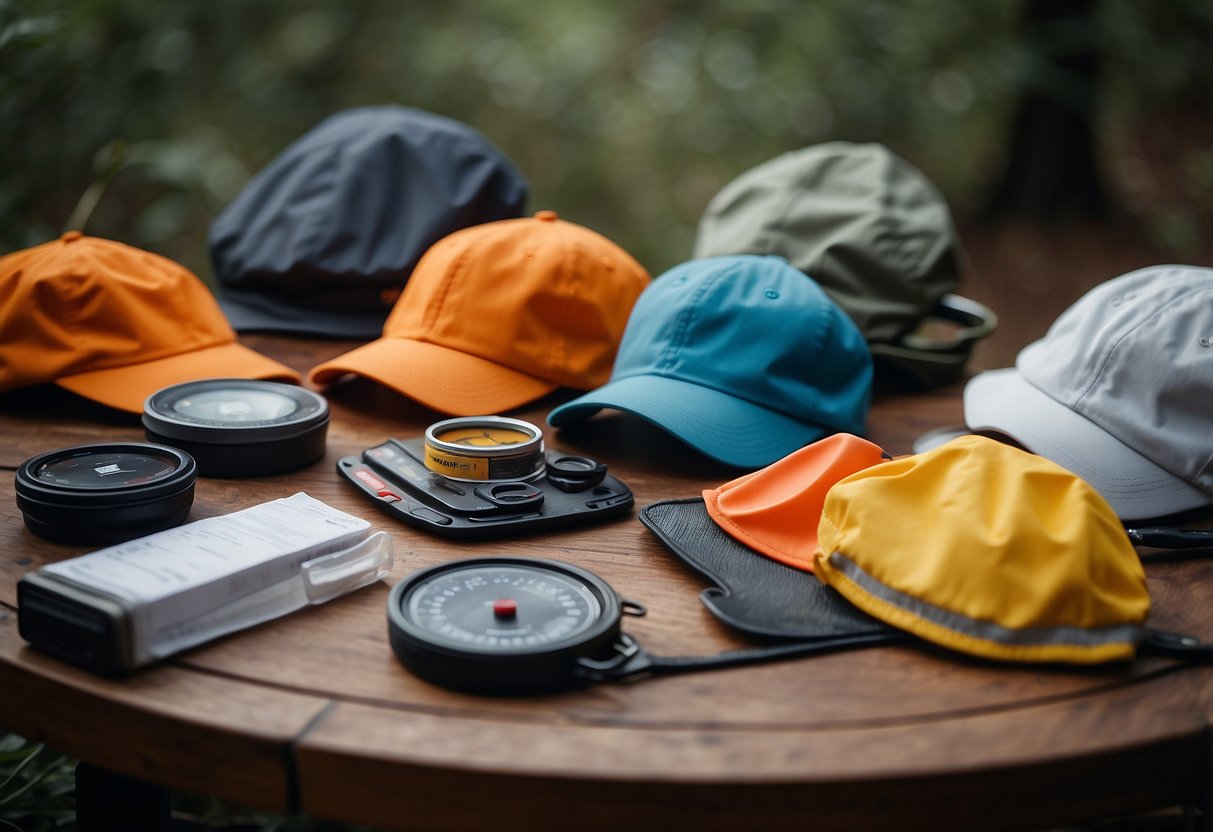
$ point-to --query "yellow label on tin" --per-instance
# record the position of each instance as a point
(464, 467)
(484, 437)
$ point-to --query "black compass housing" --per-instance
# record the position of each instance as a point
(444, 628)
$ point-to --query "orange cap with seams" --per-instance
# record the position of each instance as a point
(113, 323)
(500, 314)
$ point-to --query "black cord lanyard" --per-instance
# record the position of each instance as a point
(632, 662)
(1162, 537)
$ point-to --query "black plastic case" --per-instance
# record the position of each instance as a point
(394, 477)
(84, 628)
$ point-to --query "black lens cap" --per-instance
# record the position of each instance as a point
(574, 473)
(105, 493)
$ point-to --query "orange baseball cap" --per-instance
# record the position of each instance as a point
(775, 511)
(500, 314)
(113, 323)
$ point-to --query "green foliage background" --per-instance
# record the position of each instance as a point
(625, 116)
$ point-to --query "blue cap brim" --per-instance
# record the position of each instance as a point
(727, 429)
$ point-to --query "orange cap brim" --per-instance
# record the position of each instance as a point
(775, 511)
(442, 379)
(127, 388)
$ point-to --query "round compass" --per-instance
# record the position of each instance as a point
(504, 625)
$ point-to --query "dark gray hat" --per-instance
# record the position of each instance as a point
(876, 235)
(321, 241)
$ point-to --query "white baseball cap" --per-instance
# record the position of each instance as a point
(1119, 391)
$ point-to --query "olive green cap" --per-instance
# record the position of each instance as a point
(874, 233)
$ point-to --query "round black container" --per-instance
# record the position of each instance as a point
(105, 493)
(502, 625)
(239, 427)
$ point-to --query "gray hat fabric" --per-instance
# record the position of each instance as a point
(874, 233)
(321, 241)
(1118, 391)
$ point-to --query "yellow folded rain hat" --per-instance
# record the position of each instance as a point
(986, 549)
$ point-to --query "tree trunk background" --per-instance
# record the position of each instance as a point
(1051, 169)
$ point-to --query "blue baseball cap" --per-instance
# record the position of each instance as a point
(744, 358)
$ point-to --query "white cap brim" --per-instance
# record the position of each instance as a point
(1136, 488)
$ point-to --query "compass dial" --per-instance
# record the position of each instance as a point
(502, 625)
(502, 608)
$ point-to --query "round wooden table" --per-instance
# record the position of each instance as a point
(313, 712)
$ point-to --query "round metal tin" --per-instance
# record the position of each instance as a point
(484, 449)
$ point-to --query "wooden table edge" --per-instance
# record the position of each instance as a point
(205, 734)
(364, 764)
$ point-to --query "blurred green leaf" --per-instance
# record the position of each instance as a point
(37, 787)
(626, 117)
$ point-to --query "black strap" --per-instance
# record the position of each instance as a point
(1162, 537)
(929, 360)
(1174, 646)
(632, 662)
